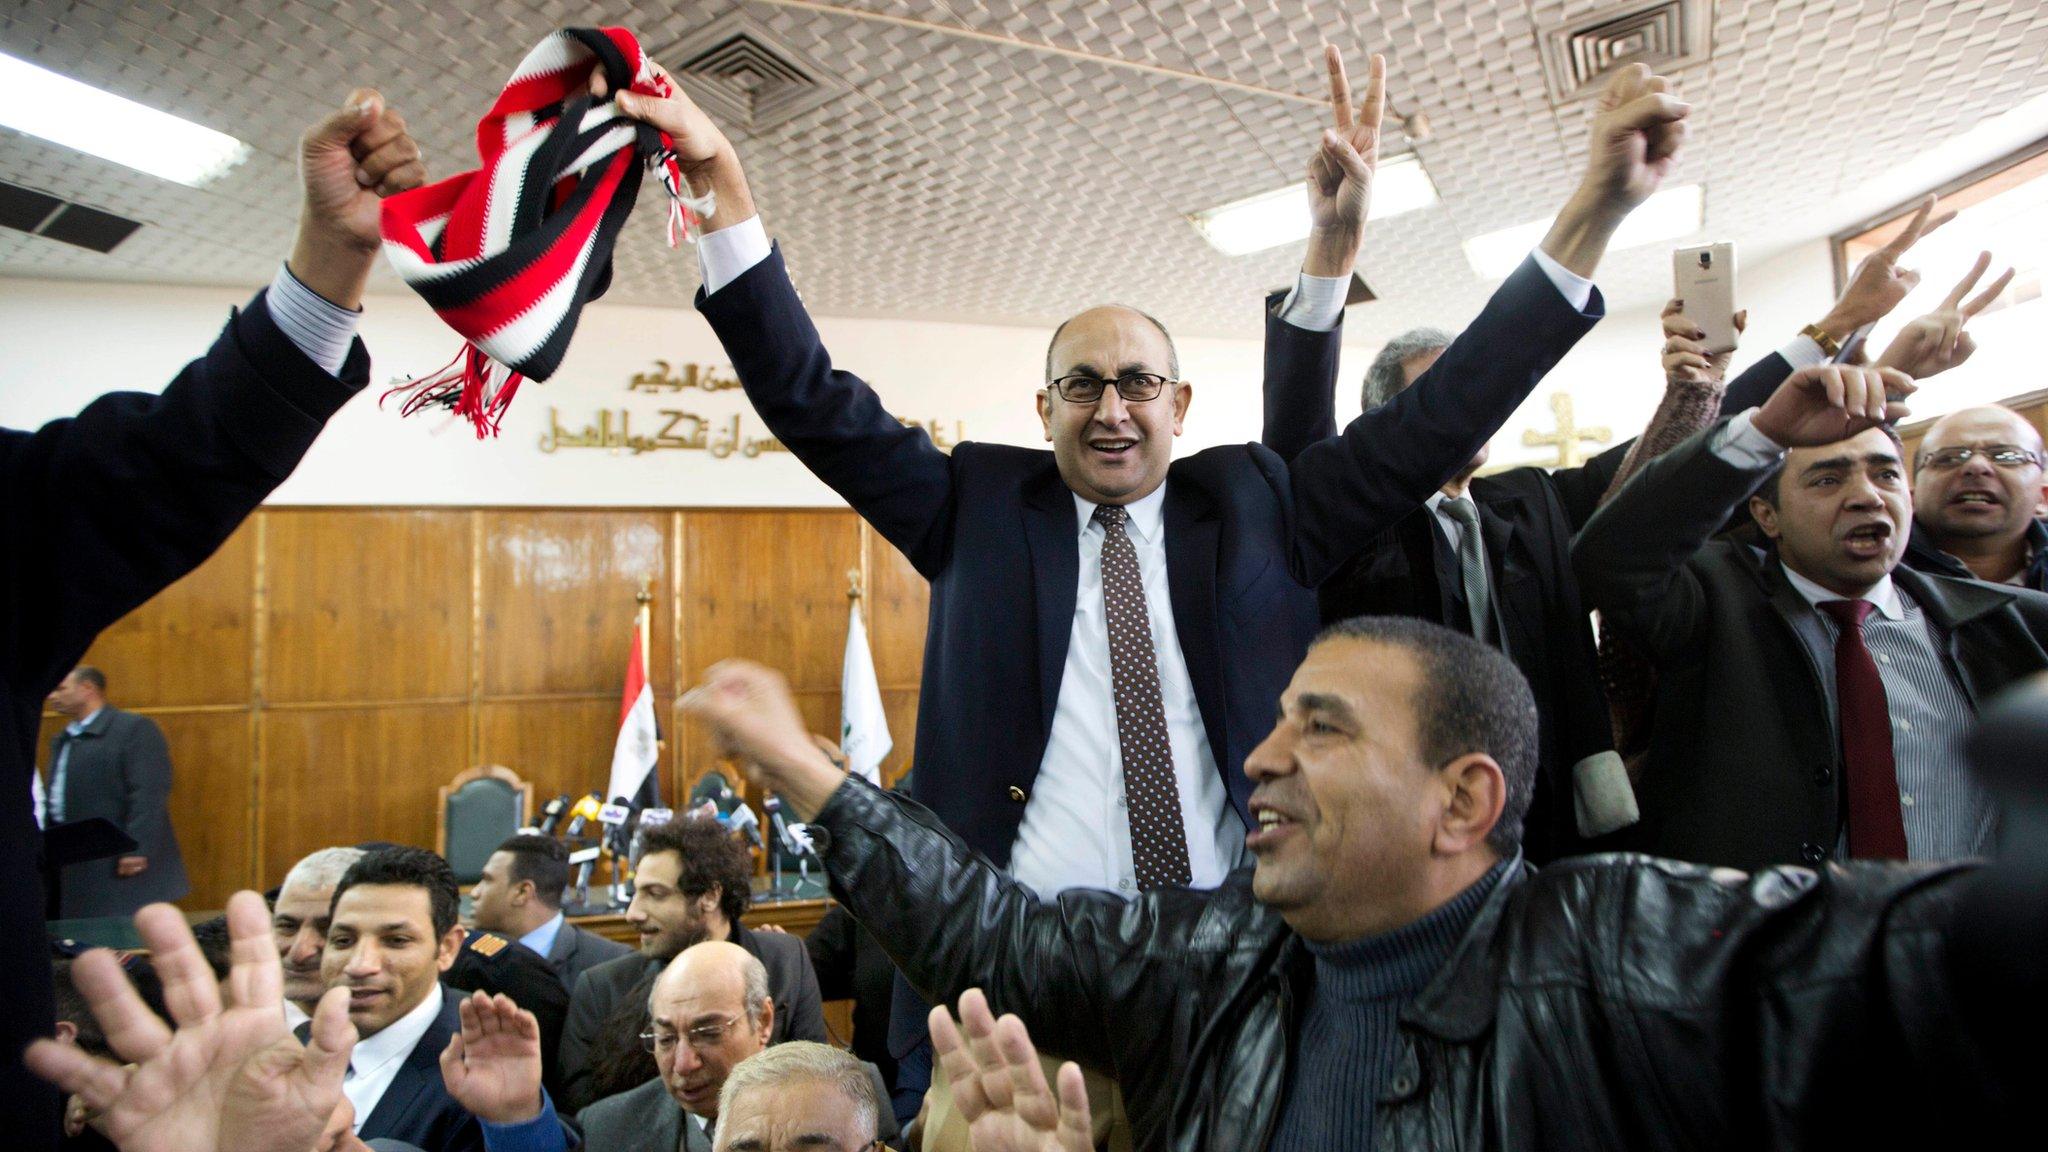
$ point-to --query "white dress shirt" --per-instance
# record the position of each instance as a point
(376, 1061)
(294, 1016)
(1076, 831)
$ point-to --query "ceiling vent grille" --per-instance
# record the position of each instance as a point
(40, 214)
(1579, 57)
(743, 77)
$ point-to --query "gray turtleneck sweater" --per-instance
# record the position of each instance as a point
(1351, 1028)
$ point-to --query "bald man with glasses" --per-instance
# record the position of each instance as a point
(1978, 494)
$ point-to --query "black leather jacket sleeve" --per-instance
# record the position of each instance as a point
(1071, 968)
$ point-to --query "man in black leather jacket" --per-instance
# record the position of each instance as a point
(1611, 1002)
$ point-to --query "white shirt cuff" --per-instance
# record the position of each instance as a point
(317, 326)
(723, 256)
(1803, 352)
(1316, 303)
(1739, 443)
(1576, 289)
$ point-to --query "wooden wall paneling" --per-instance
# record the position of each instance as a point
(211, 799)
(330, 668)
(898, 603)
(559, 592)
(561, 746)
(346, 775)
(367, 605)
(769, 586)
(900, 706)
(190, 643)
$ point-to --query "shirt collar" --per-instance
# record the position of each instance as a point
(1884, 594)
(294, 1016)
(1146, 516)
(542, 939)
(399, 1037)
(79, 725)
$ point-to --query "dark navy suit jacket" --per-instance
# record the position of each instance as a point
(1527, 517)
(1248, 535)
(416, 1108)
(100, 512)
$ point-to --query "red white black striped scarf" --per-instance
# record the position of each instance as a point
(509, 253)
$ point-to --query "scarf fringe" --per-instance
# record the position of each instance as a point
(686, 213)
(472, 386)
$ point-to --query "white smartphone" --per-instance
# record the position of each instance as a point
(1704, 278)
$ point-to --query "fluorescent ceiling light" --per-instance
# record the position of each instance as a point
(1271, 219)
(56, 108)
(1668, 215)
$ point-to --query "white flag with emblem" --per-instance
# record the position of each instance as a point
(863, 726)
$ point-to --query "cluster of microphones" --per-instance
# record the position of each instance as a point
(792, 845)
(595, 830)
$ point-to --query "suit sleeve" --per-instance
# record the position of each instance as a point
(1755, 385)
(1580, 489)
(952, 922)
(831, 949)
(1300, 387)
(146, 780)
(1348, 488)
(1631, 559)
(106, 508)
(806, 1006)
(892, 475)
(578, 1033)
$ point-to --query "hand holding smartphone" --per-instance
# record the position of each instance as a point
(1704, 278)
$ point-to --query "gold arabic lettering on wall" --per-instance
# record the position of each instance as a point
(677, 430)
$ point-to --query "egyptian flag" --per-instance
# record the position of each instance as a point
(509, 254)
(638, 748)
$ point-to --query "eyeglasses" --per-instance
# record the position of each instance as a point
(704, 1037)
(1135, 388)
(2003, 455)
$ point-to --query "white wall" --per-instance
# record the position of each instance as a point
(66, 342)
(1614, 374)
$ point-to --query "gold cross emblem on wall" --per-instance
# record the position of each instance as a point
(1568, 433)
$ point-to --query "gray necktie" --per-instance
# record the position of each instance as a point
(1472, 566)
(1159, 837)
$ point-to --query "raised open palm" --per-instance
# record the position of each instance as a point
(492, 1066)
(1000, 1088)
(231, 1075)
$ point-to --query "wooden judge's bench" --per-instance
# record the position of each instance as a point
(794, 915)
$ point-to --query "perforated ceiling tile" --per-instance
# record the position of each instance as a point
(957, 178)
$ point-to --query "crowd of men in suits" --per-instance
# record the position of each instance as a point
(1226, 930)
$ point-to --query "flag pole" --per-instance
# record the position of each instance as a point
(642, 621)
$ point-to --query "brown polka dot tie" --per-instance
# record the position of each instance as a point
(1159, 840)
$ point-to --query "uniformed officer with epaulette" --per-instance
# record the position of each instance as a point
(490, 963)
